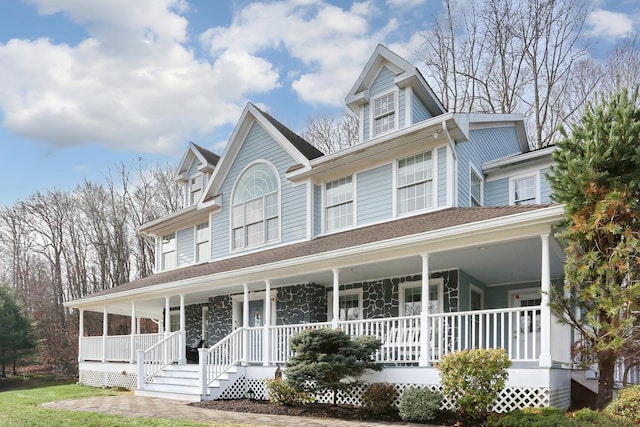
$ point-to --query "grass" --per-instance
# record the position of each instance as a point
(19, 400)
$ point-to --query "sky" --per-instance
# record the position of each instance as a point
(88, 84)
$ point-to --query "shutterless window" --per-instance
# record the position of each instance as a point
(476, 189)
(412, 301)
(349, 307)
(203, 248)
(255, 207)
(195, 188)
(415, 186)
(524, 190)
(339, 204)
(384, 115)
(169, 251)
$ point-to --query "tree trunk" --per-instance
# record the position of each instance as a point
(606, 365)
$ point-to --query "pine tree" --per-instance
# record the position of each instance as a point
(596, 176)
(16, 332)
(324, 359)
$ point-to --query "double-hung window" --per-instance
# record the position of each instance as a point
(524, 190)
(203, 248)
(195, 188)
(384, 114)
(475, 188)
(255, 211)
(415, 183)
(339, 204)
(169, 251)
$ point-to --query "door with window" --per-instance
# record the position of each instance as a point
(526, 336)
(256, 320)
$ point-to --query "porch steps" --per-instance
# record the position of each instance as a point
(181, 382)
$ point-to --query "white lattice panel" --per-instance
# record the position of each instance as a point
(124, 379)
(238, 390)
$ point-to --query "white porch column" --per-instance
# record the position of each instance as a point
(105, 332)
(266, 344)
(545, 310)
(80, 334)
(425, 321)
(133, 333)
(336, 298)
(182, 342)
(245, 324)
(167, 317)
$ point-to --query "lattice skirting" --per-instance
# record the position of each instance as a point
(238, 390)
(124, 379)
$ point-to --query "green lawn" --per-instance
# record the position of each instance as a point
(19, 406)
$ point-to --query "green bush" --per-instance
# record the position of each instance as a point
(380, 398)
(282, 393)
(474, 378)
(589, 417)
(419, 404)
(626, 404)
(553, 417)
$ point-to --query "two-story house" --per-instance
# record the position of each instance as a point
(434, 233)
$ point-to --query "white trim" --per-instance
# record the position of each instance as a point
(238, 299)
(512, 179)
(310, 215)
(437, 281)
(434, 184)
(477, 290)
(507, 172)
(474, 170)
(524, 291)
(396, 111)
(343, 292)
(323, 204)
(408, 107)
(204, 333)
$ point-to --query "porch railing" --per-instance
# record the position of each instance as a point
(281, 339)
(118, 347)
(155, 358)
(223, 355)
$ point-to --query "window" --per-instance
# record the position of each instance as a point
(384, 114)
(339, 204)
(349, 304)
(195, 188)
(255, 207)
(411, 297)
(174, 316)
(475, 188)
(203, 248)
(524, 190)
(169, 251)
(476, 298)
(415, 186)
(412, 301)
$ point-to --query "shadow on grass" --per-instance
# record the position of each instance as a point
(28, 382)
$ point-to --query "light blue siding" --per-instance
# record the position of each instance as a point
(258, 145)
(545, 189)
(184, 246)
(496, 193)
(366, 123)
(374, 195)
(195, 164)
(418, 110)
(158, 254)
(483, 145)
(383, 83)
(442, 176)
(317, 210)
(402, 109)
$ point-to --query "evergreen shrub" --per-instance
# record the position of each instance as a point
(419, 404)
(626, 404)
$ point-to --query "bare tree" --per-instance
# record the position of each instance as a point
(332, 133)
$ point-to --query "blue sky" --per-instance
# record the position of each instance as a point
(85, 85)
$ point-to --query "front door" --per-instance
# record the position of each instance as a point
(256, 320)
(527, 334)
(256, 313)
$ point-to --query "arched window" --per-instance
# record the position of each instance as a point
(255, 202)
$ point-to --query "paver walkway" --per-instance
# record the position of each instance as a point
(148, 407)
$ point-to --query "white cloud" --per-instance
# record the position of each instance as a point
(406, 3)
(609, 24)
(332, 43)
(133, 84)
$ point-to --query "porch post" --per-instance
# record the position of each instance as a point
(336, 298)
(182, 341)
(80, 334)
(105, 332)
(133, 332)
(425, 321)
(266, 344)
(545, 310)
(245, 324)
(167, 327)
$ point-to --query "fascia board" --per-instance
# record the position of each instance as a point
(491, 230)
(165, 220)
(508, 161)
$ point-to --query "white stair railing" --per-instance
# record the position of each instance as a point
(217, 360)
(157, 357)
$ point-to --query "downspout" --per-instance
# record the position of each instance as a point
(452, 187)
(449, 139)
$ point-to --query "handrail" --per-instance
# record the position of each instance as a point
(160, 355)
(223, 355)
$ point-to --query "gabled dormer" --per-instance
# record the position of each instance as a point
(194, 172)
(391, 94)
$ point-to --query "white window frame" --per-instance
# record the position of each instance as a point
(473, 171)
(165, 254)
(199, 241)
(432, 179)
(195, 191)
(265, 219)
(512, 186)
(205, 323)
(174, 314)
(345, 292)
(374, 117)
(327, 206)
(418, 284)
(473, 288)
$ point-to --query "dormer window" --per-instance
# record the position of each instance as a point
(256, 206)
(195, 188)
(384, 114)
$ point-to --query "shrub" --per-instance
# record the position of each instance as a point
(380, 398)
(474, 378)
(282, 393)
(554, 417)
(419, 404)
(626, 404)
(589, 417)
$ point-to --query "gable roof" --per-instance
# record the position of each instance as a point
(405, 227)
(308, 150)
(208, 160)
(406, 74)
